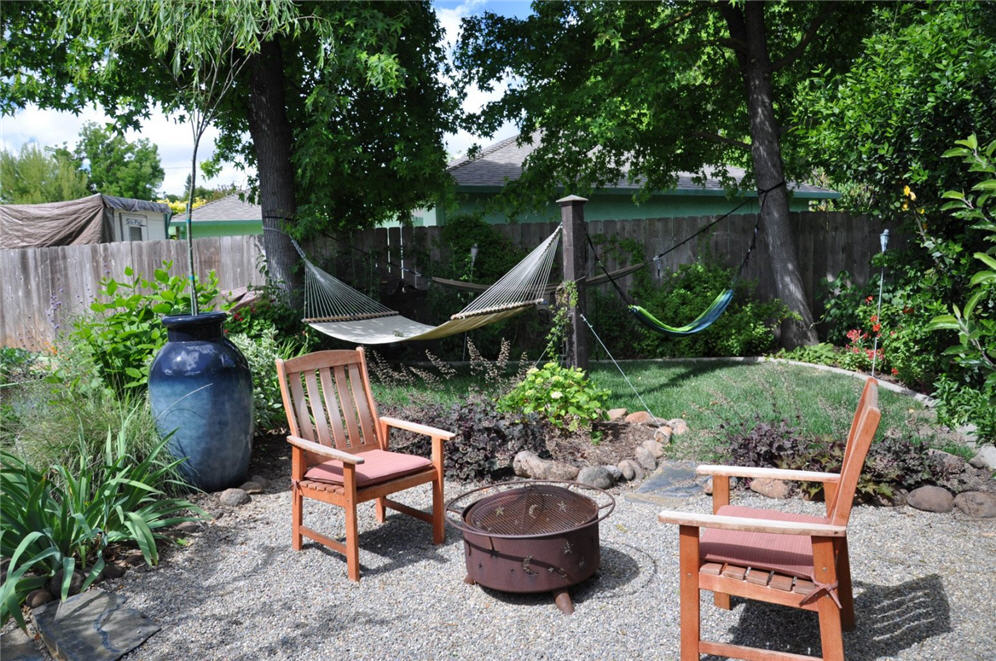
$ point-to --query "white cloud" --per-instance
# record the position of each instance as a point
(51, 128)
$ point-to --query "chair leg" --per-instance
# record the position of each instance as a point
(845, 590)
(831, 639)
(438, 513)
(825, 572)
(352, 545)
(688, 561)
(721, 600)
(296, 515)
(381, 509)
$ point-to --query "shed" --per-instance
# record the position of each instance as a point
(95, 219)
(228, 216)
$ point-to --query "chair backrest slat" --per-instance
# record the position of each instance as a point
(368, 436)
(348, 407)
(328, 400)
(332, 407)
(862, 432)
(317, 410)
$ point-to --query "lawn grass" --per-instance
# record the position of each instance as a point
(710, 394)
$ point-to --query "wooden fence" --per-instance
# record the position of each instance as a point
(826, 244)
(43, 289)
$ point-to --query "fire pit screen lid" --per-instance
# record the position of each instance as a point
(535, 509)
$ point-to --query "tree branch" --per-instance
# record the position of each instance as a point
(796, 51)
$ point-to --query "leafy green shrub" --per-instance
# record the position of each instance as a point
(565, 397)
(15, 364)
(486, 440)
(58, 520)
(126, 329)
(269, 311)
(64, 404)
(746, 328)
(975, 322)
(261, 351)
(906, 349)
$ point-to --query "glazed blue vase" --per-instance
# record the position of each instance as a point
(200, 389)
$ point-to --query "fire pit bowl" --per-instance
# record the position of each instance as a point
(535, 536)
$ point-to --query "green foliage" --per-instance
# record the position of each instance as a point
(565, 397)
(15, 364)
(118, 167)
(910, 299)
(261, 349)
(486, 439)
(746, 328)
(927, 73)
(57, 521)
(126, 329)
(961, 402)
(560, 325)
(33, 176)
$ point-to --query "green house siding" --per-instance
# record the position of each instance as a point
(205, 228)
(609, 206)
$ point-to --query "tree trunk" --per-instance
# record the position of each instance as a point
(747, 28)
(271, 137)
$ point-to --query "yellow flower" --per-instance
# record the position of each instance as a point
(906, 191)
(906, 206)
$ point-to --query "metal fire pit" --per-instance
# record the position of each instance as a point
(536, 536)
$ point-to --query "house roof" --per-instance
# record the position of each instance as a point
(229, 207)
(502, 162)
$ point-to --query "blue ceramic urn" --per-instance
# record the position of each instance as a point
(200, 389)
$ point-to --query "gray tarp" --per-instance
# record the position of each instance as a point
(69, 223)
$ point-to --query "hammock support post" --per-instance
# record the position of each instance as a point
(572, 220)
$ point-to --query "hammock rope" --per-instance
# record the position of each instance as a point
(336, 309)
(719, 304)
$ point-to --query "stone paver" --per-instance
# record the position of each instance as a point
(92, 626)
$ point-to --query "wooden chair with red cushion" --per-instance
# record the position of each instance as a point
(789, 559)
(340, 448)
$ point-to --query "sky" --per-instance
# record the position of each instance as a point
(49, 128)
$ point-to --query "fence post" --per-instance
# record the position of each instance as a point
(572, 218)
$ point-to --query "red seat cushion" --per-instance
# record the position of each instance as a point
(785, 554)
(378, 466)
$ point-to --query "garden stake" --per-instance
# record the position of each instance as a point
(883, 239)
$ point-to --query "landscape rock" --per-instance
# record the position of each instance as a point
(54, 584)
(663, 435)
(113, 570)
(931, 499)
(631, 470)
(985, 458)
(528, 464)
(260, 480)
(707, 486)
(644, 458)
(678, 426)
(640, 418)
(615, 414)
(770, 488)
(188, 527)
(977, 504)
(38, 597)
(234, 497)
(655, 448)
(252, 486)
(968, 479)
(614, 472)
(947, 463)
(595, 476)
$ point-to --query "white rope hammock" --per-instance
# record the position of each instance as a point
(336, 309)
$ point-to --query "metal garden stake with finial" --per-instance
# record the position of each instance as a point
(883, 240)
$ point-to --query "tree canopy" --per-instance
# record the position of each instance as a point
(34, 175)
(118, 167)
(646, 90)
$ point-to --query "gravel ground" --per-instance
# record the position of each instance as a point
(924, 584)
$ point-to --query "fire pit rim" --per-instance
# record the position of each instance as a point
(502, 487)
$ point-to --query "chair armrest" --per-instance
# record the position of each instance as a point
(748, 524)
(318, 448)
(417, 428)
(773, 473)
